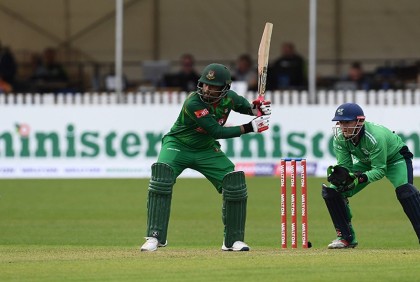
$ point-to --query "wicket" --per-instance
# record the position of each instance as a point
(293, 202)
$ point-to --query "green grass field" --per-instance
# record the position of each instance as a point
(91, 230)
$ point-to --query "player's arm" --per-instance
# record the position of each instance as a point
(378, 166)
(378, 158)
(340, 175)
(207, 123)
(342, 154)
(241, 105)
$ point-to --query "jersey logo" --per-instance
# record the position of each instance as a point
(201, 113)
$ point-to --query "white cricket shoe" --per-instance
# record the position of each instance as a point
(151, 244)
(341, 244)
(238, 246)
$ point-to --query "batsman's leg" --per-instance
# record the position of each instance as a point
(409, 198)
(158, 206)
(234, 211)
(339, 210)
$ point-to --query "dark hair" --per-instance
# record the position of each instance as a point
(188, 56)
(246, 57)
(356, 65)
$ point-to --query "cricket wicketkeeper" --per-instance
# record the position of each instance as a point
(192, 143)
(366, 152)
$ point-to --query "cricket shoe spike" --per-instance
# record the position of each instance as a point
(151, 244)
(238, 246)
(341, 244)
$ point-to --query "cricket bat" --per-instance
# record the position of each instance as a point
(263, 52)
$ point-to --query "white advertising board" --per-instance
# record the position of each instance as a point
(110, 141)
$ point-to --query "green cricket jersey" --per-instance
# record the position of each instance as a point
(377, 148)
(199, 124)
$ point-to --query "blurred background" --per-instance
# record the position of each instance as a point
(67, 59)
(360, 44)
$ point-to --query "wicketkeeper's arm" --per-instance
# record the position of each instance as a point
(343, 179)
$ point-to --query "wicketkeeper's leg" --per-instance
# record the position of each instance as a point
(234, 207)
(409, 197)
(340, 213)
(159, 201)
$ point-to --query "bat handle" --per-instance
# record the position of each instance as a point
(260, 98)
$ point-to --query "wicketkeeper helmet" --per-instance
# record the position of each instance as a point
(349, 112)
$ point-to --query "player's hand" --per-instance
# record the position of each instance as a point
(263, 107)
(341, 178)
(358, 178)
(351, 185)
(260, 124)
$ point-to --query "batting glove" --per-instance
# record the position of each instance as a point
(258, 124)
(263, 107)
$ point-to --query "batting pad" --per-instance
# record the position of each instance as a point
(234, 207)
(159, 201)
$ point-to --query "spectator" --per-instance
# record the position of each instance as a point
(187, 77)
(246, 72)
(385, 77)
(288, 71)
(356, 79)
(50, 76)
(356, 74)
(8, 67)
(5, 87)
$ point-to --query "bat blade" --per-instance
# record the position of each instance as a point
(263, 54)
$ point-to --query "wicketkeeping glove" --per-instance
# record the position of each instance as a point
(261, 106)
(258, 124)
(342, 178)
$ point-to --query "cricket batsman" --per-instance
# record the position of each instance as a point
(366, 152)
(192, 143)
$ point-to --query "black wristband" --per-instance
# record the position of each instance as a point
(247, 127)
